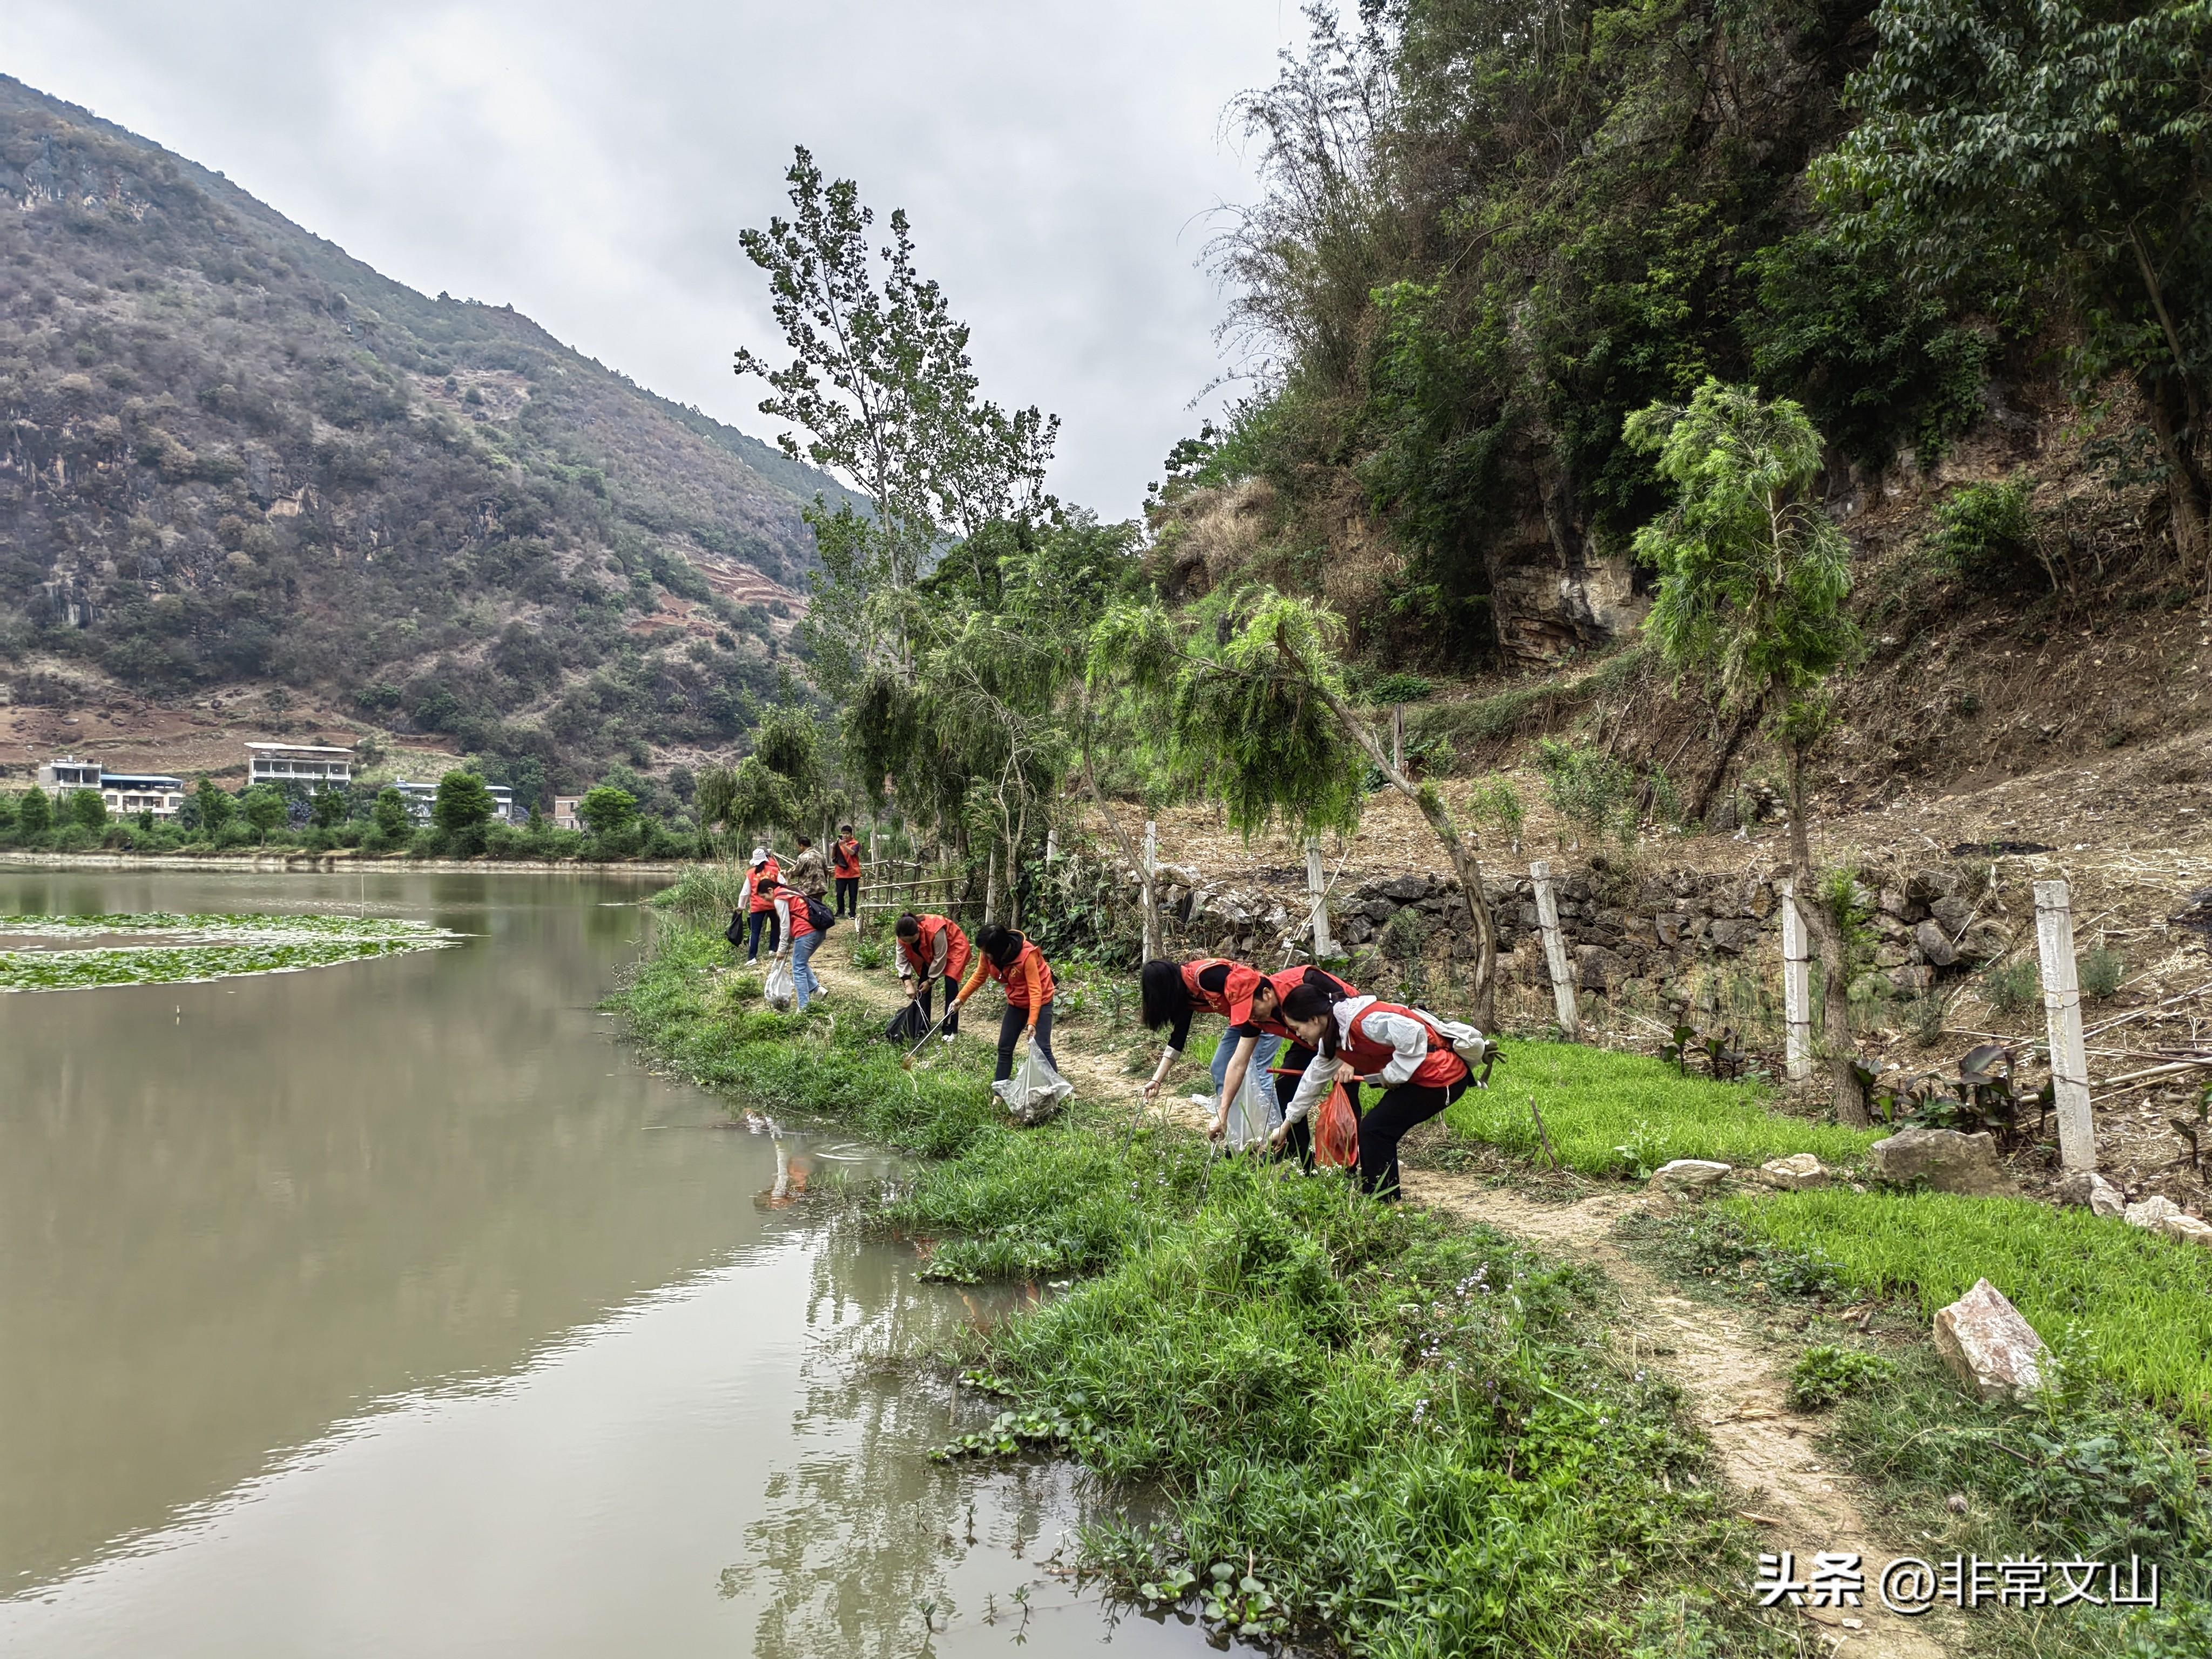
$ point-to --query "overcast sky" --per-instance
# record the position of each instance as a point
(590, 164)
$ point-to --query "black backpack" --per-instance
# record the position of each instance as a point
(820, 915)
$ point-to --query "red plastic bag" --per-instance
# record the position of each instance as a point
(1336, 1130)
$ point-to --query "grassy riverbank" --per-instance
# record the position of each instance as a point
(1398, 1431)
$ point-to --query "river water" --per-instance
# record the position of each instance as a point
(394, 1308)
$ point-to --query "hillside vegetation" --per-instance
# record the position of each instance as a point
(229, 454)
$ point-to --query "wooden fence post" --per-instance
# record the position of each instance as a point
(2061, 1013)
(1555, 950)
(1317, 898)
(1796, 988)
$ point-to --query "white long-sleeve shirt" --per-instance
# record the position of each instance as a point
(1409, 1047)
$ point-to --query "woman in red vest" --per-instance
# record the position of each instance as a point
(845, 866)
(931, 948)
(1174, 994)
(1015, 962)
(1255, 1002)
(760, 901)
(1365, 1040)
(800, 940)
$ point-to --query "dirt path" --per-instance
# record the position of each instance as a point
(1735, 1389)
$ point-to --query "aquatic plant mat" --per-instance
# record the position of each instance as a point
(159, 948)
(1374, 1429)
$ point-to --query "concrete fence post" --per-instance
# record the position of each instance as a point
(1150, 890)
(1796, 988)
(1398, 736)
(2061, 1013)
(1318, 901)
(1555, 950)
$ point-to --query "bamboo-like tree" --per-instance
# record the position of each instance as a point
(1752, 578)
(1252, 695)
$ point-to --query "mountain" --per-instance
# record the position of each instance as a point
(240, 471)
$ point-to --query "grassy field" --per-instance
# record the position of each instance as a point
(1397, 1434)
(1612, 1114)
(2136, 1307)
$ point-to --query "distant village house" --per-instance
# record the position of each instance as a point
(127, 793)
(316, 766)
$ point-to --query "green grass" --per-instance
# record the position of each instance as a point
(1613, 1114)
(826, 1063)
(1407, 1433)
(2134, 1307)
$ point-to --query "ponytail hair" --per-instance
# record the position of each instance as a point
(908, 927)
(1166, 998)
(1314, 1002)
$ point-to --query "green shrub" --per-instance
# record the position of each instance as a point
(1591, 790)
(2101, 972)
(1495, 800)
(1985, 533)
(1825, 1374)
(2011, 987)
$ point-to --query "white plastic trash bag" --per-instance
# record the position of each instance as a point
(781, 992)
(1255, 1112)
(1034, 1088)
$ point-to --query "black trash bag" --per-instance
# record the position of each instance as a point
(907, 1027)
(735, 933)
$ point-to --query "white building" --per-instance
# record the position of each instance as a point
(316, 766)
(422, 797)
(127, 793)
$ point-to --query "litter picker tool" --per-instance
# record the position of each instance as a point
(906, 1063)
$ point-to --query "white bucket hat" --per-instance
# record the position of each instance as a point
(760, 855)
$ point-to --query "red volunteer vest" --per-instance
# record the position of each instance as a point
(801, 923)
(1015, 977)
(1368, 1057)
(845, 859)
(1240, 993)
(923, 949)
(762, 883)
(1203, 998)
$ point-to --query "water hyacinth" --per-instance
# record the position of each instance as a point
(169, 949)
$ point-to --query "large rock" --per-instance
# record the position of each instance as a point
(1989, 1346)
(1734, 936)
(2187, 1228)
(1952, 913)
(1597, 968)
(1687, 1174)
(1795, 1173)
(2150, 1212)
(2087, 1188)
(1406, 890)
(1934, 944)
(1942, 1159)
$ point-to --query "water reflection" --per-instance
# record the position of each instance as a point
(392, 1308)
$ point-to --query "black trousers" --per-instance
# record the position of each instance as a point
(1011, 1026)
(1293, 1061)
(952, 1013)
(848, 896)
(753, 934)
(1384, 1124)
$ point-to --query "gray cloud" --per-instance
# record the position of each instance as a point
(591, 164)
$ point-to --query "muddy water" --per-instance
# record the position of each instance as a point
(392, 1307)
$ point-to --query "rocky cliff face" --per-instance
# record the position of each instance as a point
(230, 454)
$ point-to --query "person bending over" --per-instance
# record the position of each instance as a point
(1255, 1013)
(1363, 1039)
(800, 940)
(1013, 960)
(1174, 993)
(931, 950)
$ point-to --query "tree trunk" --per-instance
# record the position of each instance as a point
(2187, 493)
(1469, 871)
(1736, 733)
(1835, 968)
